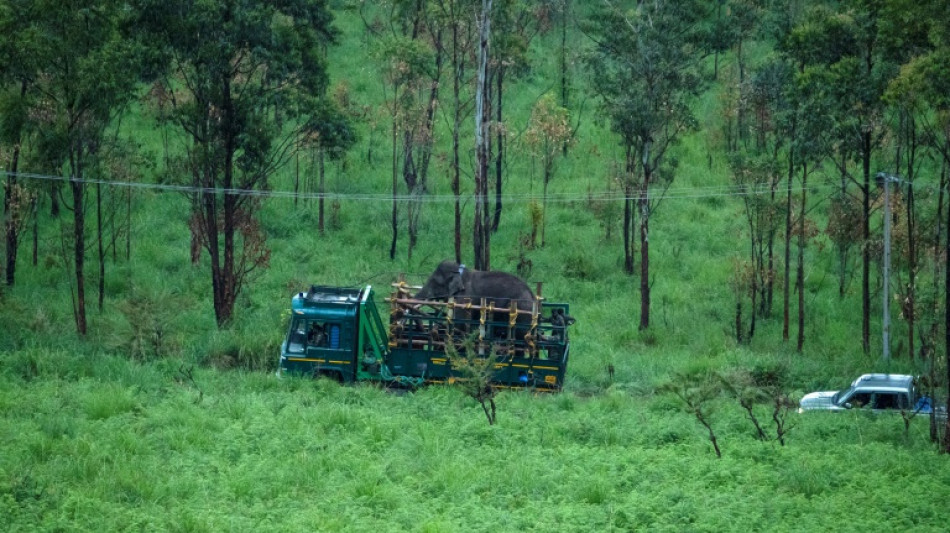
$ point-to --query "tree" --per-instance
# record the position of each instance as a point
(851, 43)
(549, 130)
(18, 72)
(407, 63)
(924, 82)
(514, 25)
(458, 47)
(232, 69)
(82, 72)
(481, 234)
(646, 66)
(412, 59)
(816, 45)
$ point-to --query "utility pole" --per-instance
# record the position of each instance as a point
(884, 179)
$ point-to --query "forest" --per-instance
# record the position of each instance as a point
(742, 201)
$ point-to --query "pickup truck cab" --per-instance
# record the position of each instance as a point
(876, 392)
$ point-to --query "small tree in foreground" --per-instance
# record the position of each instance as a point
(475, 375)
(696, 392)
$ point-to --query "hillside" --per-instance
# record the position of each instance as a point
(160, 418)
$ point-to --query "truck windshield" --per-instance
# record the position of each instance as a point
(297, 338)
(838, 395)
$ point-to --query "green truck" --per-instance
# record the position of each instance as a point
(338, 332)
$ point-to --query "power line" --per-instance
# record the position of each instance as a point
(685, 193)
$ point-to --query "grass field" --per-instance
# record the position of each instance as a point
(97, 443)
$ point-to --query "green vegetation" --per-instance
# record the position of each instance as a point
(96, 442)
(163, 415)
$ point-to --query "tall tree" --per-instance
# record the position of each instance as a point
(850, 42)
(481, 233)
(412, 57)
(233, 68)
(18, 71)
(458, 45)
(549, 130)
(514, 25)
(86, 71)
(647, 69)
(407, 65)
(816, 44)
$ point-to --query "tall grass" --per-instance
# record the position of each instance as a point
(131, 446)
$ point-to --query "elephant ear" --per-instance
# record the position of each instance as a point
(455, 283)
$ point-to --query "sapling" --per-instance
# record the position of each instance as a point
(740, 385)
(781, 406)
(475, 375)
(186, 377)
(697, 391)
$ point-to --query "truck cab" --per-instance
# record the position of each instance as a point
(332, 333)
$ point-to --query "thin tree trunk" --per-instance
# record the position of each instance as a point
(564, 88)
(911, 304)
(865, 251)
(644, 203)
(79, 231)
(628, 216)
(458, 69)
(128, 225)
(99, 248)
(10, 218)
(321, 190)
(35, 211)
(788, 250)
(395, 217)
(800, 271)
(482, 224)
(756, 261)
(500, 152)
(229, 275)
(946, 318)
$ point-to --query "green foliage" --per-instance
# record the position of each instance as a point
(621, 458)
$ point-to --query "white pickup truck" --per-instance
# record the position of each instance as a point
(877, 392)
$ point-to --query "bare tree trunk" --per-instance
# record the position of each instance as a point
(500, 139)
(910, 306)
(35, 211)
(128, 225)
(482, 224)
(628, 215)
(79, 249)
(788, 250)
(564, 88)
(644, 204)
(395, 217)
(10, 217)
(800, 270)
(99, 248)
(946, 317)
(321, 189)
(458, 64)
(756, 269)
(865, 251)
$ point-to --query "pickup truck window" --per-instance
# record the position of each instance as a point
(860, 399)
(884, 400)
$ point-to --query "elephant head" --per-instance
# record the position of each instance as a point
(452, 280)
(445, 282)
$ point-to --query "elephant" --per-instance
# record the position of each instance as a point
(499, 289)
